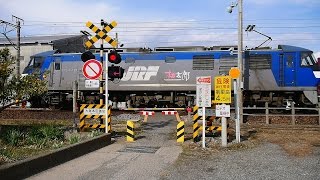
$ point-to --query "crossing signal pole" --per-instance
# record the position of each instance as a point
(102, 34)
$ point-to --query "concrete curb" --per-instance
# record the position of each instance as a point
(28, 167)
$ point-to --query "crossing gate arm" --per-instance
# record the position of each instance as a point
(172, 113)
(146, 114)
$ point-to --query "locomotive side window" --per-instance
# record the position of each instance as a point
(289, 62)
(57, 63)
(203, 62)
(57, 66)
(260, 61)
(307, 59)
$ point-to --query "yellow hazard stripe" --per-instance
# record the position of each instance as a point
(130, 131)
(180, 131)
(111, 41)
(92, 27)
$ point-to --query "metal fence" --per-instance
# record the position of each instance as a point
(292, 108)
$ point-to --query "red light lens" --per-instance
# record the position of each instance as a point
(112, 57)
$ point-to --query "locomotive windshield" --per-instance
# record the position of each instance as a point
(308, 59)
(34, 64)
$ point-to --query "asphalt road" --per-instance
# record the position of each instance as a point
(154, 150)
(156, 155)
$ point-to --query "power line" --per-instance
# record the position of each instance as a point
(180, 34)
(186, 21)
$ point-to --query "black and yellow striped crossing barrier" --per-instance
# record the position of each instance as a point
(180, 132)
(94, 111)
(196, 117)
(195, 134)
(212, 128)
(130, 131)
(109, 119)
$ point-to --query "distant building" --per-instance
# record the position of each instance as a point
(36, 44)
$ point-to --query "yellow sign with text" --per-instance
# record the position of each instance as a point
(222, 89)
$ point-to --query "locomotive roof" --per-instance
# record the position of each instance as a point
(288, 48)
(285, 48)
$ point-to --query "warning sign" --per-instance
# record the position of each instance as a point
(203, 91)
(222, 89)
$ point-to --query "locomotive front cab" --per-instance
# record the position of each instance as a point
(37, 63)
(34, 65)
(308, 60)
(316, 72)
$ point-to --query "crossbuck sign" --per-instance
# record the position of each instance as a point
(101, 34)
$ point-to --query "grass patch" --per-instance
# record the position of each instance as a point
(20, 142)
(297, 143)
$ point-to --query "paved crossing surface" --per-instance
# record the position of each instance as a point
(154, 150)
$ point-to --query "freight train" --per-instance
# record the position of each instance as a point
(166, 77)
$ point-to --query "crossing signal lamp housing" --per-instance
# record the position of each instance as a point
(115, 72)
(87, 56)
(114, 57)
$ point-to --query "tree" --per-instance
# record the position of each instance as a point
(17, 89)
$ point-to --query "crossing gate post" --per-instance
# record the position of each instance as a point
(109, 119)
(195, 126)
(180, 132)
(130, 131)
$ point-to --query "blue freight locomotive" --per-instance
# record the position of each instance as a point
(168, 78)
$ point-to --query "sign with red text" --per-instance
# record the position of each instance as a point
(203, 91)
(222, 89)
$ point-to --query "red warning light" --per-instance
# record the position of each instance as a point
(114, 57)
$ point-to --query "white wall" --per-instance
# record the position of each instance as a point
(28, 50)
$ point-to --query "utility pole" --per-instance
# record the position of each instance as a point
(240, 63)
(18, 27)
(239, 88)
(17, 45)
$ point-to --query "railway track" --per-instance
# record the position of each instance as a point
(45, 114)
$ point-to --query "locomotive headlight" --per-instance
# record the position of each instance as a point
(44, 76)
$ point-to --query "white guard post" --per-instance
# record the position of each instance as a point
(237, 111)
(203, 127)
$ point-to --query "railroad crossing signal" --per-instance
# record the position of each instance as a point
(101, 34)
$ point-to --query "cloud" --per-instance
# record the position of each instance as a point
(275, 2)
(152, 24)
(58, 10)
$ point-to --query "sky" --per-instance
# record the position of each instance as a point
(158, 23)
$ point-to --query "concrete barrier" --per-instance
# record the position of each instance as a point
(28, 167)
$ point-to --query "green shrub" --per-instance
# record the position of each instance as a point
(35, 136)
(74, 138)
(52, 132)
(95, 133)
(13, 136)
(57, 144)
